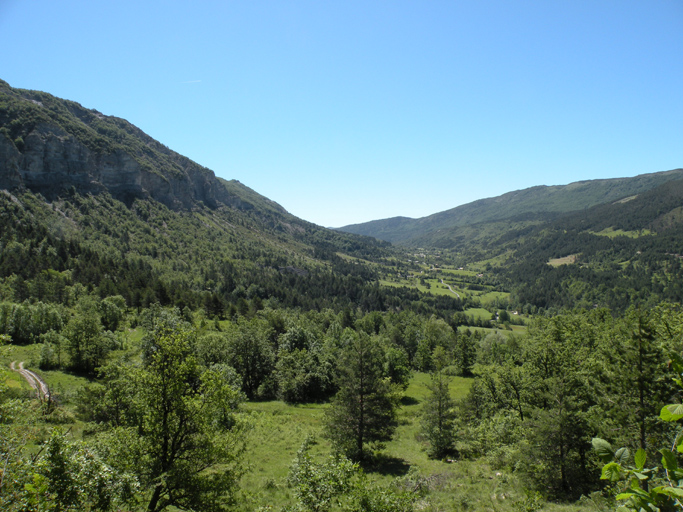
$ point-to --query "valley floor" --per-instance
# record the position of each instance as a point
(457, 485)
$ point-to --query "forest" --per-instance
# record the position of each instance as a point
(165, 378)
(158, 409)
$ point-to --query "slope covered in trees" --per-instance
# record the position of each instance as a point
(164, 421)
(622, 253)
(541, 201)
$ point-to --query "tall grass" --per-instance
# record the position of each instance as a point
(279, 430)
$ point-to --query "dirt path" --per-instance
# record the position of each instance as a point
(451, 289)
(33, 379)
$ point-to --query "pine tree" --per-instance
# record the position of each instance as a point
(438, 412)
(364, 410)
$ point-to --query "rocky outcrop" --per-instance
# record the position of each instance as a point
(9, 164)
(63, 145)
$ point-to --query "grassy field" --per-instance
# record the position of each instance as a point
(483, 314)
(458, 273)
(519, 329)
(278, 432)
(29, 354)
(489, 297)
(435, 287)
(436, 280)
(279, 429)
(613, 233)
(480, 266)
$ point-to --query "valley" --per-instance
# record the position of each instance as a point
(205, 349)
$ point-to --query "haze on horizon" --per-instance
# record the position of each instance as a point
(346, 112)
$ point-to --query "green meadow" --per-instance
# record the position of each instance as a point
(279, 430)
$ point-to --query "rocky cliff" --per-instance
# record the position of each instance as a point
(50, 145)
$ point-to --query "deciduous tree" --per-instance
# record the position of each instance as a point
(186, 440)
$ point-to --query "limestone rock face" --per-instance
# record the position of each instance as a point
(9, 164)
(64, 145)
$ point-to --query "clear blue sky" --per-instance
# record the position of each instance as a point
(349, 111)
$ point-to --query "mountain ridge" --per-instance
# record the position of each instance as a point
(48, 145)
(90, 200)
(537, 200)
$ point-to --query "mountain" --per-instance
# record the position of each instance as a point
(617, 254)
(49, 145)
(615, 243)
(88, 200)
(540, 203)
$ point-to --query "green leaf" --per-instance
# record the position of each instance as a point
(675, 492)
(611, 472)
(669, 460)
(603, 448)
(640, 476)
(672, 412)
(622, 455)
(624, 495)
(640, 492)
(640, 459)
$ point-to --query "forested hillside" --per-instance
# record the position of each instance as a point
(541, 202)
(190, 239)
(615, 254)
(175, 341)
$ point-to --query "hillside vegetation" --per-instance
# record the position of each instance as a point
(614, 254)
(541, 202)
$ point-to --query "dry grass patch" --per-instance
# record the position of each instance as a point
(567, 260)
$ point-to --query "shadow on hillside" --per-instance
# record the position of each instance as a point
(409, 400)
(386, 465)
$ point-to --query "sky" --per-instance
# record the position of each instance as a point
(350, 111)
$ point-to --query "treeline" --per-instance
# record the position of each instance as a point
(278, 353)
(162, 412)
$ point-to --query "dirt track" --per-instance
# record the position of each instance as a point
(451, 289)
(33, 379)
